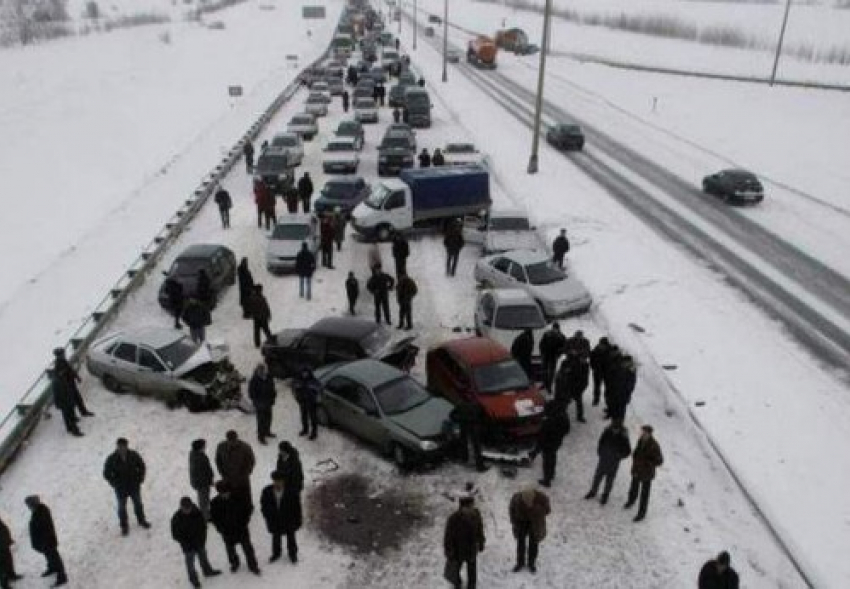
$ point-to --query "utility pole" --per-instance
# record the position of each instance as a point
(415, 23)
(781, 39)
(397, 10)
(538, 107)
(445, 39)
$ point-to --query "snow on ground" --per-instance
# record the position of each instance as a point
(696, 508)
(774, 413)
(104, 138)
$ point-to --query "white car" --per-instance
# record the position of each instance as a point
(286, 238)
(365, 110)
(459, 154)
(341, 156)
(320, 86)
(316, 105)
(303, 124)
(502, 231)
(335, 86)
(503, 313)
(558, 293)
(293, 145)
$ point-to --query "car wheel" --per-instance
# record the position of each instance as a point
(384, 233)
(323, 417)
(110, 383)
(401, 457)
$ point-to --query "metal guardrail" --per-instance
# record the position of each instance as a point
(19, 423)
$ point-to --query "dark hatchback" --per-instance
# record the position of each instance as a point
(565, 136)
(337, 339)
(734, 186)
(345, 193)
(217, 261)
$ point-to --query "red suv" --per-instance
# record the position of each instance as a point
(482, 371)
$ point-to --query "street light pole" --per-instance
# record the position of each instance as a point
(445, 39)
(397, 10)
(415, 23)
(538, 107)
(779, 44)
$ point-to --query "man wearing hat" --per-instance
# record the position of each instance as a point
(280, 504)
(718, 574)
(189, 529)
(66, 373)
(463, 540)
(43, 539)
(560, 247)
(646, 459)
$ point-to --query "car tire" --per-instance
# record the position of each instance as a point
(400, 456)
(323, 417)
(384, 233)
(110, 383)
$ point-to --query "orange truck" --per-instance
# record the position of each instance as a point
(481, 52)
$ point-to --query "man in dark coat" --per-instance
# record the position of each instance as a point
(124, 470)
(406, 290)
(620, 386)
(528, 510)
(280, 504)
(262, 392)
(64, 371)
(174, 296)
(246, 287)
(63, 398)
(326, 237)
(646, 459)
(189, 529)
(718, 574)
(401, 251)
(380, 284)
(203, 289)
(438, 159)
(306, 388)
(305, 265)
(463, 540)
(453, 242)
(470, 417)
(613, 447)
(291, 196)
(7, 563)
(197, 316)
(235, 461)
(43, 539)
(572, 380)
(522, 349)
(396, 115)
(231, 515)
(339, 222)
(424, 158)
(305, 191)
(560, 247)
(352, 292)
(555, 426)
(264, 199)
(578, 345)
(225, 203)
(552, 345)
(345, 99)
(598, 363)
(261, 314)
(289, 463)
(201, 474)
(248, 152)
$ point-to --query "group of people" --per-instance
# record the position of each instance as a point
(263, 394)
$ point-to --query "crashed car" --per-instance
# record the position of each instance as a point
(167, 365)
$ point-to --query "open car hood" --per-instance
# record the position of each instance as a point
(208, 353)
(396, 345)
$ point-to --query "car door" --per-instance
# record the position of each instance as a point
(516, 275)
(485, 311)
(152, 375)
(500, 268)
(342, 350)
(310, 352)
(123, 364)
(349, 407)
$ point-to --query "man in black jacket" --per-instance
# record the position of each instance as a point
(552, 345)
(201, 475)
(289, 463)
(63, 370)
(560, 247)
(453, 242)
(571, 382)
(305, 265)
(246, 287)
(598, 364)
(260, 313)
(522, 349)
(613, 447)
(555, 426)
(306, 388)
(197, 316)
(174, 294)
(124, 470)
(463, 540)
(263, 394)
(401, 251)
(189, 529)
(470, 418)
(225, 203)
(63, 398)
(380, 284)
(248, 152)
(231, 516)
(280, 504)
(620, 386)
(7, 563)
(352, 292)
(406, 290)
(43, 539)
(718, 574)
(305, 191)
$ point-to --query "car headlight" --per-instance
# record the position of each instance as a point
(428, 445)
(408, 158)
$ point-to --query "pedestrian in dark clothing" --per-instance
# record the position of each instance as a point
(560, 247)
(339, 222)
(522, 349)
(453, 242)
(248, 152)
(552, 346)
(305, 265)
(43, 539)
(380, 284)
(609, 375)
(265, 201)
(620, 386)
(197, 316)
(262, 392)
(305, 191)
(352, 291)
(613, 447)
(63, 398)
(246, 287)
(306, 388)
(63, 370)
(406, 290)
(231, 515)
(280, 504)
(174, 297)
(470, 418)
(260, 313)
(225, 203)
(401, 251)
(571, 382)
(189, 529)
(646, 459)
(201, 475)
(598, 363)
(203, 289)
(424, 159)
(235, 461)
(405, 115)
(289, 464)
(291, 196)
(397, 44)
(124, 470)
(382, 93)
(528, 510)
(578, 346)
(421, 82)
(718, 574)
(345, 101)
(396, 115)
(462, 541)
(555, 426)
(7, 563)
(326, 238)
(438, 159)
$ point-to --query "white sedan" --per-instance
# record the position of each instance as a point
(503, 313)
(558, 293)
(292, 143)
(316, 105)
(365, 110)
(340, 156)
(462, 154)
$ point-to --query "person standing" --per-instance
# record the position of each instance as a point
(201, 474)
(7, 563)
(553, 430)
(262, 392)
(248, 152)
(306, 388)
(453, 242)
(262, 196)
(345, 99)
(401, 251)
(64, 371)
(43, 539)
(174, 298)
(598, 362)
(63, 398)
(438, 159)
(571, 383)
(396, 115)
(289, 463)
(352, 292)
(203, 289)
(718, 573)
(621, 386)
(463, 540)
(260, 313)
(528, 510)
(197, 316)
(339, 223)
(225, 203)
(406, 290)
(246, 287)
(189, 529)
(280, 504)
(646, 459)
(613, 447)
(235, 461)
(125, 470)
(305, 265)
(380, 284)
(424, 158)
(470, 418)
(552, 345)
(578, 346)
(326, 239)
(305, 191)
(522, 349)
(231, 516)
(560, 247)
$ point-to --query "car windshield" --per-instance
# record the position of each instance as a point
(378, 196)
(395, 143)
(347, 129)
(316, 99)
(568, 129)
(375, 340)
(338, 191)
(302, 120)
(401, 395)
(364, 103)
(291, 232)
(497, 378)
(519, 317)
(271, 161)
(544, 273)
(509, 224)
(285, 141)
(188, 266)
(340, 146)
(175, 354)
(459, 148)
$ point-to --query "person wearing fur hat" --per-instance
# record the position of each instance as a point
(646, 459)
(528, 510)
